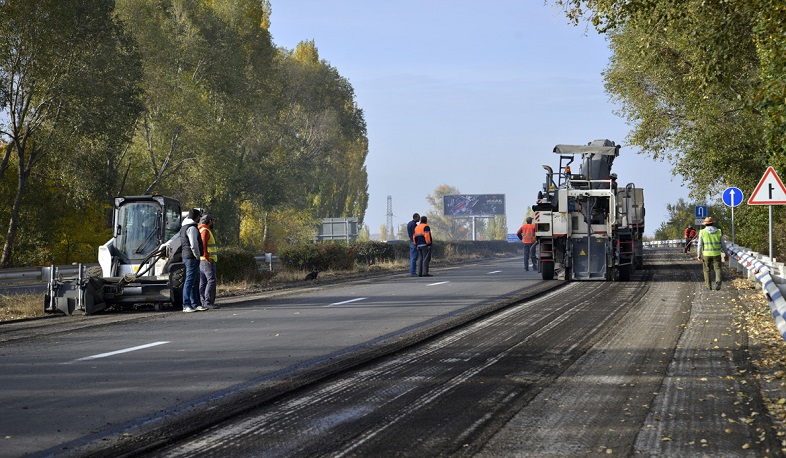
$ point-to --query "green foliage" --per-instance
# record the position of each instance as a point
(320, 256)
(446, 227)
(375, 252)
(190, 99)
(69, 79)
(236, 265)
(683, 214)
(467, 248)
(497, 228)
(702, 83)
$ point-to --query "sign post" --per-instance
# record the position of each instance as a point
(770, 191)
(732, 197)
(701, 213)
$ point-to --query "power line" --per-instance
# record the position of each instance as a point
(390, 218)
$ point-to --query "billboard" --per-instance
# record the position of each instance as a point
(474, 205)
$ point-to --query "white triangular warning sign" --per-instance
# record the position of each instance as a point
(769, 191)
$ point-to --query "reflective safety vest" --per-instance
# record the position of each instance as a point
(212, 249)
(527, 233)
(711, 243)
(422, 237)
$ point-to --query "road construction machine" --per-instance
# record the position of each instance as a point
(587, 227)
(140, 264)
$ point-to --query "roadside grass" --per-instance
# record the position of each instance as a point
(20, 306)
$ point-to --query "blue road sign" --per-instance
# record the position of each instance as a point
(732, 196)
(701, 211)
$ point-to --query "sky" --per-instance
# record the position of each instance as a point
(473, 95)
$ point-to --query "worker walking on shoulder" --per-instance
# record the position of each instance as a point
(709, 252)
(526, 234)
(207, 263)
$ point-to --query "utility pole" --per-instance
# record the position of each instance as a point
(390, 218)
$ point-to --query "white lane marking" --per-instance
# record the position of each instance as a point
(347, 302)
(126, 350)
(438, 283)
(494, 272)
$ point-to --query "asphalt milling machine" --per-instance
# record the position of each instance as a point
(587, 227)
(140, 264)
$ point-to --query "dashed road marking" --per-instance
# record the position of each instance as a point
(125, 350)
(347, 302)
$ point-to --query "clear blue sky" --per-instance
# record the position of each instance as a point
(469, 94)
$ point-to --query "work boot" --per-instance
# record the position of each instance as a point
(717, 286)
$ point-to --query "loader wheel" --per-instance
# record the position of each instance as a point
(177, 278)
(547, 271)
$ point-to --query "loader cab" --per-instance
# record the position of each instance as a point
(142, 224)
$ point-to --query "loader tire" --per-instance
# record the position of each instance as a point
(177, 278)
(547, 271)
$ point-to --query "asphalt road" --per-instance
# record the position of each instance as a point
(70, 383)
(385, 367)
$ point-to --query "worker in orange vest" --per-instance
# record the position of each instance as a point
(527, 236)
(422, 239)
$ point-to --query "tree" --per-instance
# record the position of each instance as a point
(192, 100)
(446, 227)
(497, 228)
(402, 233)
(364, 234)
(68, 81)
(702, 85)
(327, 144)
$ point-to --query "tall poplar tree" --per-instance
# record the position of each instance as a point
(68, 77)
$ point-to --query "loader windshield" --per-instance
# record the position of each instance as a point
(138, 229)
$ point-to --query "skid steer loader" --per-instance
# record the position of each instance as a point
(140, 264)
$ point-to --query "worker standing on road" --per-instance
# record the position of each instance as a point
(422, 239)
(526, 234)
(413, 248)
(709, 252)
(192, 250)
(207, 263)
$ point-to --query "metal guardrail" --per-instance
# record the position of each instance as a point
(266, 260)
(35, 273)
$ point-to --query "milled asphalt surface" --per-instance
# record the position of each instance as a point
(707, 404)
